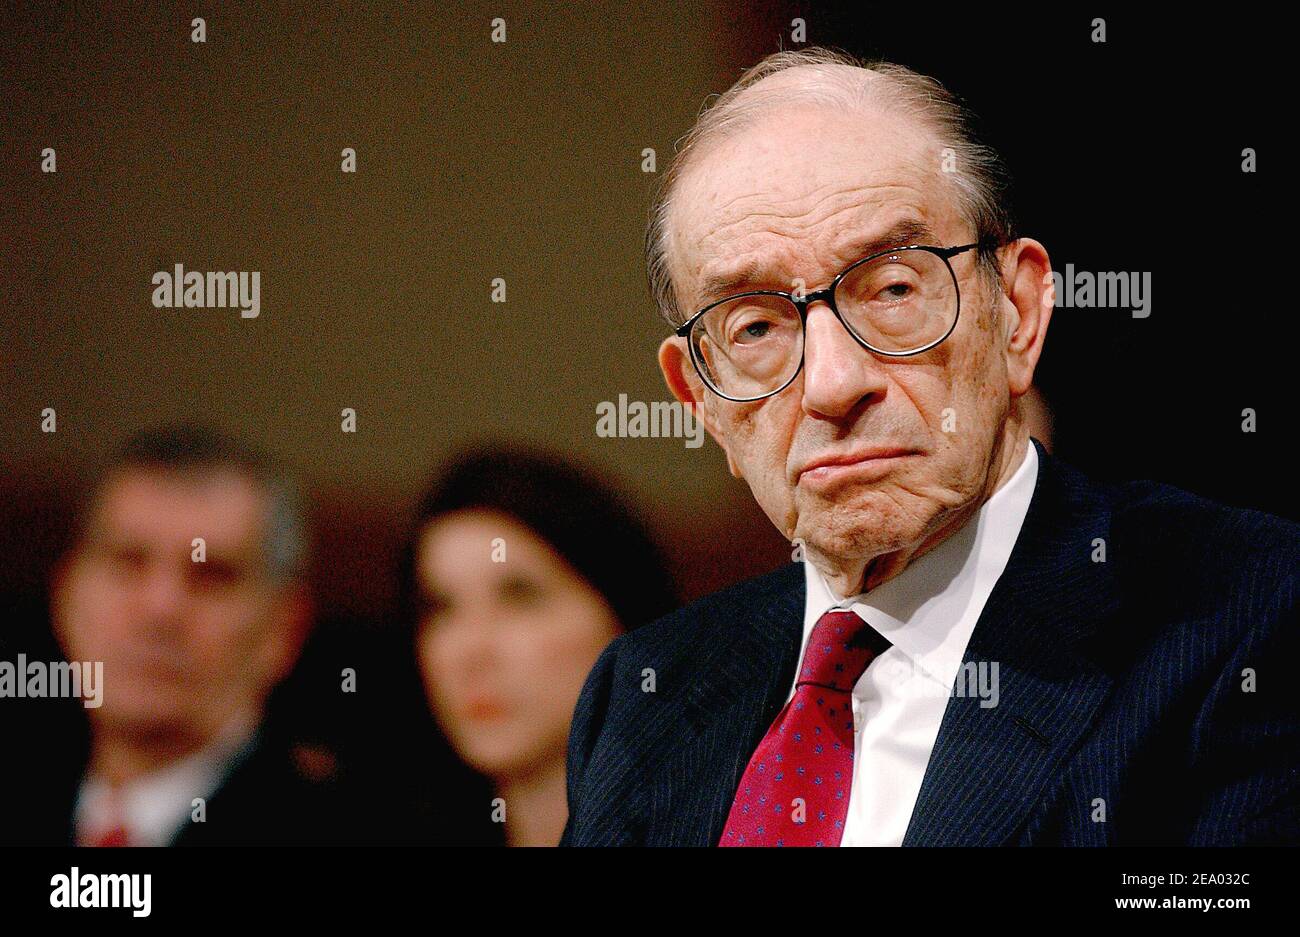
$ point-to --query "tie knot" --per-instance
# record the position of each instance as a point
(839, 650)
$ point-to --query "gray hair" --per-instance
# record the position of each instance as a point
(193, 449)
(842, 81)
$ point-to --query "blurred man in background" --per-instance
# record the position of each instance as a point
(185, 578)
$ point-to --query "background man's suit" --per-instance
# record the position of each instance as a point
(1122, 716)
(266, 798)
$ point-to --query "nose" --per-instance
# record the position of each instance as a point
(476, 640)
(838, 372)
(162, 594)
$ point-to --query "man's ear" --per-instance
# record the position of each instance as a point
(1028, 295)
(59, 582)
(292, 616)
(686, 386)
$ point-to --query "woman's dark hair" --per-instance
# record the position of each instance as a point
(579, 516)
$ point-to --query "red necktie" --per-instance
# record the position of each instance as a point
(111, 830)
(117, 836)
(795, 791)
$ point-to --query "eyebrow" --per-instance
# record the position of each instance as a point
(900, 234)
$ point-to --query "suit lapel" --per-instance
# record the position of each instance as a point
(726, 710)
(990, 765)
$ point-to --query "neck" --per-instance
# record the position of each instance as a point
(536, 808)
(120, 755)
(862, 575)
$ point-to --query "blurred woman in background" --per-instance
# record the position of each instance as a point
(520, 570)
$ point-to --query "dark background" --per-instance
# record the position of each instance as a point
(522, 161)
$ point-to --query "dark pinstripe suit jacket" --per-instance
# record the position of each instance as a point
(1125, 711)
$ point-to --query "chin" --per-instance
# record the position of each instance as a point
(870, 523)
(496, 760)
(148, 720)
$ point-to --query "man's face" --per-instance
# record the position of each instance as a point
(185, 645)
(792, 198)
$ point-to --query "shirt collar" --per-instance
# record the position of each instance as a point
(155, 806)
(929, 610)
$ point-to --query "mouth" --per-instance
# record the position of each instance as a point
(861, 465)
(484, 709)
(147, 661)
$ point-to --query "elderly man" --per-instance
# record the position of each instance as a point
(975, 644)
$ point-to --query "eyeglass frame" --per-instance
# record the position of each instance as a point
(827, 295)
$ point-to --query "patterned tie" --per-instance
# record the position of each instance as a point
(795, 791)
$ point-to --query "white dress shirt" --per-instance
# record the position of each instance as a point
(927, 612)
(155, 808)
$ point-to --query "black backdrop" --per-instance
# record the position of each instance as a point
(1126, 156)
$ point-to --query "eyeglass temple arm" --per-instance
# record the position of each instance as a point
(950, 252)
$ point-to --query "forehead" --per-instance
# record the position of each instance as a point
(170, 508)
(801, 185)
(468, 536)
(460, 549)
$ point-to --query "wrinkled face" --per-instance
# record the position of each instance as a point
(790, 200)
(186, 645)
(508, 634)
